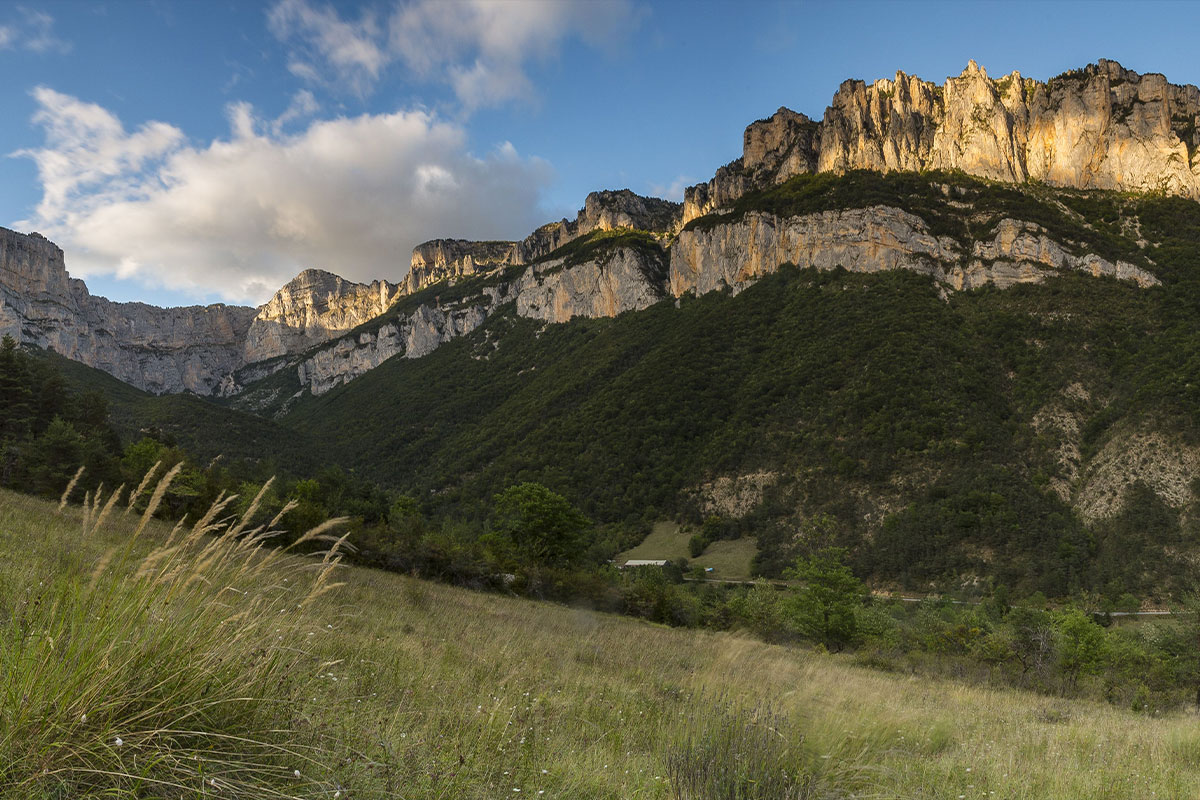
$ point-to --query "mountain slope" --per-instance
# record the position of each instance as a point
(1023, 434)
(202, 428)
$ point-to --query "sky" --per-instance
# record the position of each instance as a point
(197, 151)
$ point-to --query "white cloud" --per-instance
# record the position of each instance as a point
(242, 215)
(353, 50)
(303, 105)
(39, 33)
(479, 47)
(673, 190)
(32, 31)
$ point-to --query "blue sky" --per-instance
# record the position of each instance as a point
(197, 151)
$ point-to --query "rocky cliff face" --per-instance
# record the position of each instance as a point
(733, 255)
(411, 335)
(157, 349)
(626, 280)
(773, 150)
(450, 259)
(1101, 127)
(615, 280)
(163, 350)
(312, 308)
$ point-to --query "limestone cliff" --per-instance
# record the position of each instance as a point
(450, 259)
(626, 280)
(735, 254)
(1101, 127)
(165, 350)
(614, 279)
(773, 150)
(312, 308)
(603, 211)
(411, 335)
(157, 349)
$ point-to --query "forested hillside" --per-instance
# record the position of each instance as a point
(1042, 436)
(949, 436)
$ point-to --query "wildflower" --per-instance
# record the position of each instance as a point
(117, 741)
(296, 772)
(83, 718)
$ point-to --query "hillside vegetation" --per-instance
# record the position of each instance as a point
(1042, 437)
(392, 687)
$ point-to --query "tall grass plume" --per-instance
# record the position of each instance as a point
(173, 668)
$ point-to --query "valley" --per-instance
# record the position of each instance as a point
(902, 404)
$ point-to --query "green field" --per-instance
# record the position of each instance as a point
(730, 559)
(666, 540)
(395, 687)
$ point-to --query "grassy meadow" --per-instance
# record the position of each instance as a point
(730, 559)
(179, 666)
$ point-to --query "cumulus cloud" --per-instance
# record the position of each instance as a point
(32, 30)
(479, 47)
(241, 215)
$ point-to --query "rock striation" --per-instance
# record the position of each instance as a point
(312, 308)
(614, 280)
(157, 349)
(411, 335)
(1100, 127)
(450, 259)
(735, 254)
(164, 350)
(625, 280)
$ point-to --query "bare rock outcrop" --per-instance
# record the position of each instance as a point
(614, 280)
(1100, 127)
(157, 349)
(773, 150)
(626, 280)
(1163, 463)
(312, 308)
(735, 254)
(450, 259)
(603, 211)
(412, 335)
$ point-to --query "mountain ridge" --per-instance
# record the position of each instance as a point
(1144, 134)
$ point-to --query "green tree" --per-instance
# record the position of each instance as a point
(541, 524)
(54, 457)
(1082, 646)
(761, 610)
(824, 607)
(16, 396)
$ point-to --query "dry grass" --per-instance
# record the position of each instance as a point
(165, 668)
(413, 690)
